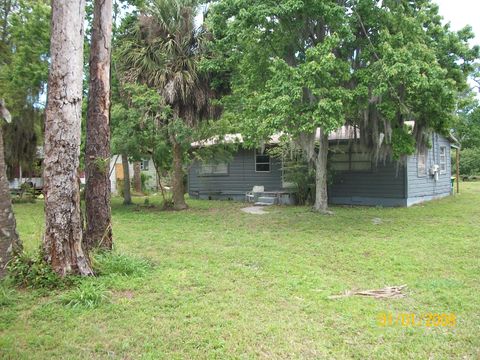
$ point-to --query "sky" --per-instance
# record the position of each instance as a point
(460, 13)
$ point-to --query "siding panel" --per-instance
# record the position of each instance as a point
(425, 186)
(386, 181)
(241, 176)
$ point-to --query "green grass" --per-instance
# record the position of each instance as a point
(217, 283)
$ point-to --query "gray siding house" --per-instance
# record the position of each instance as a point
(356, 180)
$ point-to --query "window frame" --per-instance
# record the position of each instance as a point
(444, 162)
(424, 154)
(262, 163)
(201, 173)
(142, 165)
(352, 161)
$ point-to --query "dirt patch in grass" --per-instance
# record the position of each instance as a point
(123, 294)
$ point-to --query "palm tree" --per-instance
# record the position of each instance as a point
(9, 240)
(163, 52)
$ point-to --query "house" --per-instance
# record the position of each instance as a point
(34, 177)
(146, 167)
(356, 179)
(18, 176)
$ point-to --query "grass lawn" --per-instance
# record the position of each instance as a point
(225, 284)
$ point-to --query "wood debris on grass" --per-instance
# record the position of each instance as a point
(389, 292)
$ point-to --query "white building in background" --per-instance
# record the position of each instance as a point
(116, 173)
(19, 176)
(35, 178)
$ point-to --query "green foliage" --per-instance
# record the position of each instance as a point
(24, 70)
(281, 80)
(7, 296)
(102, 164)
(27, 192)
(467, 127)
(23, 199)
(144, 178)
(120, 187)
(402, 143)
(87, 295)
(111, 263)
(296, 171)
(470, 161)
(162, 50)
(24, 56)
(137, 130)
(167, 203)
(366, 65)
(34, 272)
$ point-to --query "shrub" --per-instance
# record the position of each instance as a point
(26, 195)
(302, 176)
(144, 179)
(167, 204)
(107, 263)
(34, 272)
(28, 189)
(87, 295)
(23, 200)
(296, 171)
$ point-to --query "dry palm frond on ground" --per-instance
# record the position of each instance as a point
(390, 292)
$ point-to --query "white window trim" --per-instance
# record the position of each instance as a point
(440, 160)
(255, 162)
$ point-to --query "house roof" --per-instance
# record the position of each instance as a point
(343, 133)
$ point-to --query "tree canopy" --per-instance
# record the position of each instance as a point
(24, 43)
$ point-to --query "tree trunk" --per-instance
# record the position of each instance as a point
(9, 240)
(127, 197)
(137, 177)
(159, 180)
(177, 184)
(98, 230)
(321, 197)
(62, 241)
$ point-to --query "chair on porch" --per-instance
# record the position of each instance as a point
(250, 195)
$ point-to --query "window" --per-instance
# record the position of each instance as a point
(422, 163)
(345, 158)
(144, 165)
(212, 169)
(262, 162)
(443, 159)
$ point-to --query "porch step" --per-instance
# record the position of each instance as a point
(266, 200)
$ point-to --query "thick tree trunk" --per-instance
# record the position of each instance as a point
(62, 241)
(127, 197)
(321, 197)
(9, 240)
(177, 184)
(98, 230)
(137, 177)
